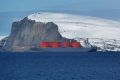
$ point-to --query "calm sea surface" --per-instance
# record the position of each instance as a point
(60, 66)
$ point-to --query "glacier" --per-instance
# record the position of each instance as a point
(103, 33)
(72, 26)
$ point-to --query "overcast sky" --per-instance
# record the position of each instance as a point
(27, 5)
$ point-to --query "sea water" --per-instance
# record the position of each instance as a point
(60, 66)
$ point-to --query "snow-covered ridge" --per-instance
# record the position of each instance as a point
(72, 26)
(1, 37)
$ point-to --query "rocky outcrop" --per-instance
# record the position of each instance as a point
(2, 44)
(26, 34)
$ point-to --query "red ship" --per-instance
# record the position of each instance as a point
(64, 47)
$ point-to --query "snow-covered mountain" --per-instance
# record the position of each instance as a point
(72, 26)
(100, 31)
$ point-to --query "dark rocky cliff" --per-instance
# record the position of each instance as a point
(26, 34)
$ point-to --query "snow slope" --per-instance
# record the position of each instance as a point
(1, 37)
(73, 26)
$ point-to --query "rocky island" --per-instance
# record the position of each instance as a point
(27, 34)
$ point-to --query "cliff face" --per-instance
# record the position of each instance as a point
(26, 34)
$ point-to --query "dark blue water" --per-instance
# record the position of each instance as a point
(60, 66)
